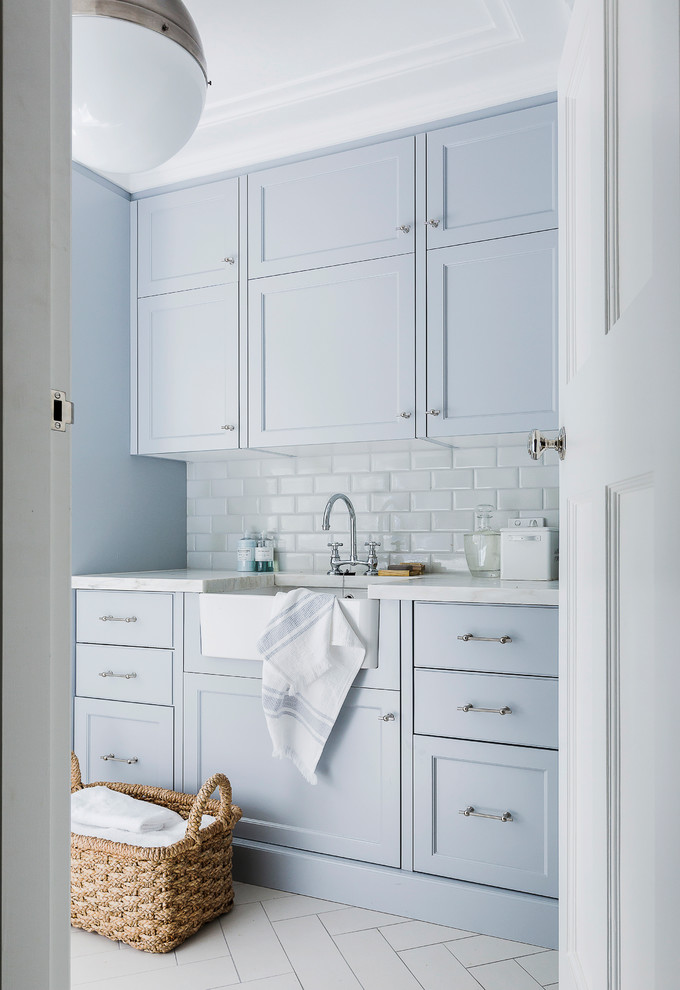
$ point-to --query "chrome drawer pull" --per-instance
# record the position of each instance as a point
(495, 711)
(486, 639)
(470, 812)
(117, 618)
(119, 759)
(110, 673)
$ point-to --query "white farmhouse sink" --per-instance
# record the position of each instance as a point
(245, 614)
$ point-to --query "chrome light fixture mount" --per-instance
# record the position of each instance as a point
(139, 82)
(167, 17)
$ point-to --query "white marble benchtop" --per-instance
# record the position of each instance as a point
(456, 587)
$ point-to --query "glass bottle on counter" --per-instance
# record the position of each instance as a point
(264, 553)
(483, 546)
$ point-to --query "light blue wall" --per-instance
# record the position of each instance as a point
(129, 513)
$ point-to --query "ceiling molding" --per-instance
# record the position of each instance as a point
(500, 31)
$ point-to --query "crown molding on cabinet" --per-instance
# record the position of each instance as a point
(501, 52)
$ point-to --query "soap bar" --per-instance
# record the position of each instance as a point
(393, 572)
(414, 567)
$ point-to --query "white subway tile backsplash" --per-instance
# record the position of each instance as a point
(391, 461)
(453, 521)
(391, 502)
(495, 478)
(437, 458)
(474, 457)
(453, 479)
(330, 483)
(224, 487)
(544, 477)
(260, 486)
(411, 481)
(370, 482)
(351, 462)
(417, 502)
(296, 485)
(520, 498)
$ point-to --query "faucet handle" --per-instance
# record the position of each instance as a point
(335, 545)
(370, 544)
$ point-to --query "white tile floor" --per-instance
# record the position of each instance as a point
(273, 940)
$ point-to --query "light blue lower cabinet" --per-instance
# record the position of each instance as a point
(490, 782)
(122, 742)
(354, 809)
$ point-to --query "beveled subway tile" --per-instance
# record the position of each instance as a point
(437, 969)
(253, 944)
(373, 961)
(412, 934)
(315, 957)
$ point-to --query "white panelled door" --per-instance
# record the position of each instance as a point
(620, 362)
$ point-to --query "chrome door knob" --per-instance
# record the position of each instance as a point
(537, 444)
(432, 223)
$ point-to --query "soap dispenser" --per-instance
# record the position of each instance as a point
(483, 547)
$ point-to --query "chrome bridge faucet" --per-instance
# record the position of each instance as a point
(371, 563)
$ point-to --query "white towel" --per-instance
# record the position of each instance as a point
(100, 807)
(163, 837)
(311, 655)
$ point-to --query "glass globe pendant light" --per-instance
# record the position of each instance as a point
(139, 82)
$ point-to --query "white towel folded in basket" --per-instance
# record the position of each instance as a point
(107, 814)
(311, 654)
(101, 807)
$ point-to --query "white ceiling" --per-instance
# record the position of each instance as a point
(288, 78)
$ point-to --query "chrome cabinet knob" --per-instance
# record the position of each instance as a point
(229, 261)
(432, 223)
(404, 415)
(433, 412)
(390, 717)
(404, 228)
(227, 427)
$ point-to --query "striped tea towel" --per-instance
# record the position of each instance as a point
(311, 655)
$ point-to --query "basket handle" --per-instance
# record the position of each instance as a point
(202, 798)
(76, 781)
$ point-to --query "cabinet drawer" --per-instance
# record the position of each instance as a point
(531, 721)
(124, 618)
(451, 776)
(123, 673)
(141, 734)
(438, 629)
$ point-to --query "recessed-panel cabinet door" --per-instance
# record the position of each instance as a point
(339, 208)
(493, 177)
(486, 813)
(124, 742)
(354, 809)
(331, 355)
(188, 370)
(188, 239)
(492, 336)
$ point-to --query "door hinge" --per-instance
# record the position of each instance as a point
(62, 411)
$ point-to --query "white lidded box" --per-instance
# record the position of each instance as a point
(529, 551)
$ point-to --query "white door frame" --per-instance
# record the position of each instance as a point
(36, 679)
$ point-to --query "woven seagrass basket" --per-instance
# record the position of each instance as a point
(155, 898)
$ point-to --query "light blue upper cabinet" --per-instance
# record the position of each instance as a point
(492, 336)
(492, 177)
(332, 355)
(349, 206)
(188, 239)
(187, 371)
